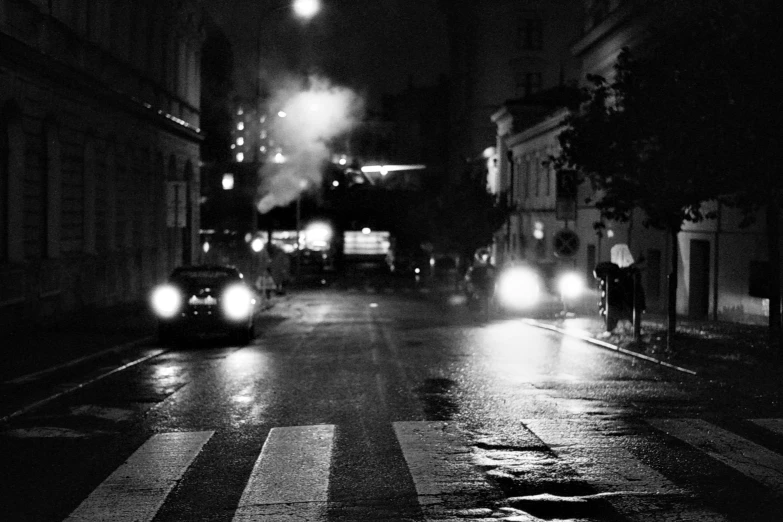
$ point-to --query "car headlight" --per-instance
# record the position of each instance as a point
(570, 285)
(518, 288)
(166, 301)
(237, 302)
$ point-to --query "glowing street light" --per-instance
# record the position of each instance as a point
(306, 8)
(228, 181)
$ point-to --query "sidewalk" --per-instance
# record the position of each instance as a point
(74, 336)
(730, 354)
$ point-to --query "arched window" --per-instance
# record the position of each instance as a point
(52, 190)
(4, 199)
(111, 197)
(90, 194)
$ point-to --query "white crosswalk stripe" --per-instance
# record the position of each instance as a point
(749, 458)
(774, 425)
(290, 478)
(439, 460)
(137, 489)
(638, 491)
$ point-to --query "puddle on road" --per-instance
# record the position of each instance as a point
(436, 396)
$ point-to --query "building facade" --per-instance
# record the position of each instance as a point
(502, 50)
(720, 263)
(99, 151)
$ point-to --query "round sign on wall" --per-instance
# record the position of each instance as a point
(566, 243)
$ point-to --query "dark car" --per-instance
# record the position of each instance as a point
(204, 299)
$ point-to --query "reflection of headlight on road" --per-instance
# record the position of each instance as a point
(518, 288)
(237, 302)
(166, 301)
(570, 285)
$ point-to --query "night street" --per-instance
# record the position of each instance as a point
(378, 402)
(391, 261)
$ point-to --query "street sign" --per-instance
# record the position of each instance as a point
(566, 243)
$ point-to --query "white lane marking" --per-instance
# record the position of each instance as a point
(774, 425)
(290, 479)
(439, 460)
(749, 458)
(137, 489)
(639, 492)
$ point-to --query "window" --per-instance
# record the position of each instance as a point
(4, 200)
(52, 192)
(530, 33)
(527, 83)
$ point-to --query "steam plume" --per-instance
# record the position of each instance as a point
(311, 116)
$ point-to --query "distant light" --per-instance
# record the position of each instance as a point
(233, 146)
(307, 8)
(240, 141)
(610, 233)
(303, 184)
(205, 247)
(228, 179)
(373, 305)
(262, 148)
(343, 160)
(240, 157)
(279, 158)
(384, 171)
(240, 111)
(335, 183)
(488, 152)
(240, 125)
(318, 232)
(282, 114)
(538, 230)
(366, 230)
(257, 244)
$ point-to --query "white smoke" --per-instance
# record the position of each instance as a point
(303, 120)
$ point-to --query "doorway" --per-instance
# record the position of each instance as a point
(699, 295)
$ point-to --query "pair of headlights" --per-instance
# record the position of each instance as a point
(521, 287)
(236, 302)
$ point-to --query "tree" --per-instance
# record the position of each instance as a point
(630, 139)
(741, 37)
(696, 117)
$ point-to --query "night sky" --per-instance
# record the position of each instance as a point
(371, 46)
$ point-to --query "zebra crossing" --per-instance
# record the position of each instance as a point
(291, 475)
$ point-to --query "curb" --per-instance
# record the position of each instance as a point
(609, 346)
(73, 362)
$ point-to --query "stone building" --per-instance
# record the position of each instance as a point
(720, 264)
(99, 151)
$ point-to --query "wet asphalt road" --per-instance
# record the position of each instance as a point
(359, 402)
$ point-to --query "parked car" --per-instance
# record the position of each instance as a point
(204, 299)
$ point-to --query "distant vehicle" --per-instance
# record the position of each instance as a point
(204, 299)
(529, 289)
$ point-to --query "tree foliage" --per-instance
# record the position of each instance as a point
(693, 116)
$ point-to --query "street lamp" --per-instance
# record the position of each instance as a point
(306, 9)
